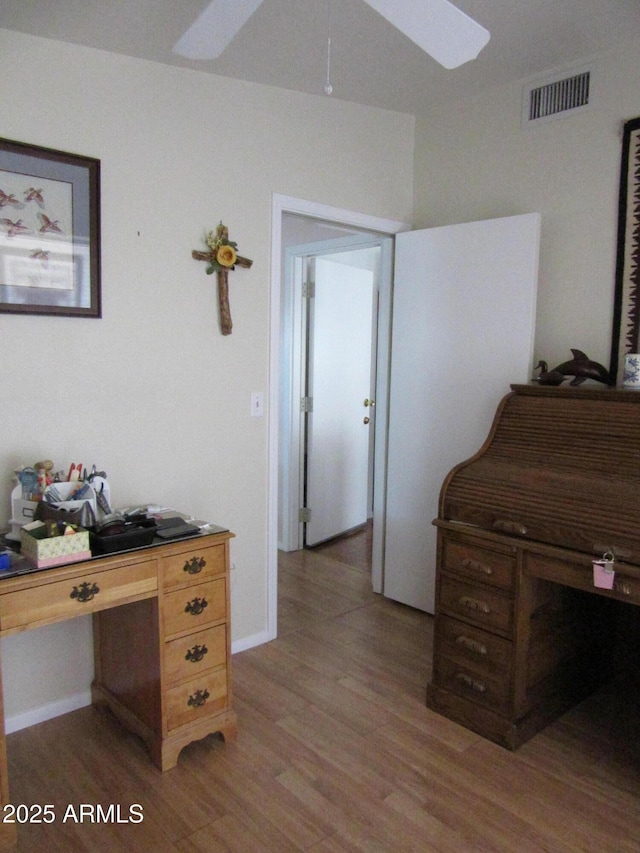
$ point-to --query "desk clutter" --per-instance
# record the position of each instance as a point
(65, 516)
(75, 496)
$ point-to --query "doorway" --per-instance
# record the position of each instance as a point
(337, 224)
(328, 368)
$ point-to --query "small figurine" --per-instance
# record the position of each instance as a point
(581, 368)
(44, 474)
(28, 478)
(547, 377)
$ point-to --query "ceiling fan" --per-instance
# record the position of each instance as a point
(438, 27)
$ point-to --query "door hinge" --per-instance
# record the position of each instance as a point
(304, 514)
(306, 404)
(308, 290)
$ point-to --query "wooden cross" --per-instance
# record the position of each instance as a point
(221, 258)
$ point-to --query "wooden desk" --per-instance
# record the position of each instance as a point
(162, 639)
(521, 631)
(521, 634)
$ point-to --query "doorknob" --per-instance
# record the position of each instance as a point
(369, 402)
(365, 420)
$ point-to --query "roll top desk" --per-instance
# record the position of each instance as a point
(521, 632)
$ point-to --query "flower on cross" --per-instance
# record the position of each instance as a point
(222, 257)
(223, 250)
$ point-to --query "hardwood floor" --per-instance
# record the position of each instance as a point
(337, 752)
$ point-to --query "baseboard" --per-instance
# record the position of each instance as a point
(80, 700)
(47, 712)
(249, 642)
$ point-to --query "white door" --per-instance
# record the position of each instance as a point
(339, 381)
(463, 324)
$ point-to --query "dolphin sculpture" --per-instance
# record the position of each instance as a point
(581, 368)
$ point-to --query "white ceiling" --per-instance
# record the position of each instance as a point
(285, 42)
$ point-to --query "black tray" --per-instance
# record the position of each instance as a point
(136, 536)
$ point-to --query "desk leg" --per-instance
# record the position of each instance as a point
(8, 831)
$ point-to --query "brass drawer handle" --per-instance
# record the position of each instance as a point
(476, 566)
(198, 699)
(622, 587)
(196, 606)
(515, 527)
(194, 566)
(471, 683)
(471, 645)
(474, 604)
(86, 591)
(196, 654)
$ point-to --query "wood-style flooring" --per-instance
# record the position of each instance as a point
(337, 752)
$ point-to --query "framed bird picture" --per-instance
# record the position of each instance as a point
(49, 232)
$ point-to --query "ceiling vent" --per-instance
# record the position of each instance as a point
(556, 97)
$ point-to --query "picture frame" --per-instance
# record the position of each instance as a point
(49, 232)
(625, 336)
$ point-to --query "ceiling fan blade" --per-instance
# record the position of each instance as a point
(442, 30)
(214, 28)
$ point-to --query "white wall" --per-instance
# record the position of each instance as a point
(475, 161)
(152, 392)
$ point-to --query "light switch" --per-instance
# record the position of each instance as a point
(257, 404)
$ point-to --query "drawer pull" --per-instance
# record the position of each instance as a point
(474, 604)
(514, 527)
(622, 587)
(476, 566)
(471, 645)
(198, 699)
(471, 683)
(85, 592)
(196, 606)
(196, 654)
(194, 566)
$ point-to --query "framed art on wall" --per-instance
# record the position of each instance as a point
(49, 232)
(626, 309)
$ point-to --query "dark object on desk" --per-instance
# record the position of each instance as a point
(122, 536)
(581, 367)
(175, 528)
(548, 377)
(83, 516)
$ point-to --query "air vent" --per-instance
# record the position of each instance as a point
(556, 97)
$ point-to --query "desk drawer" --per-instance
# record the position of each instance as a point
(196, 565)
(477, 563)
(479, 604)
(196, 699)
(77, 596)
(580, 576)
(487, 653)
(473, 683)
(193, 607)
(189, 656)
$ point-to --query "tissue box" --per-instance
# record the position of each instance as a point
(46, 551)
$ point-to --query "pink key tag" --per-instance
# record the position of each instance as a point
(603, 573)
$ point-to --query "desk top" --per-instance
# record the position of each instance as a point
(21, 565)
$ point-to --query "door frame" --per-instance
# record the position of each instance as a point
(280, 205)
